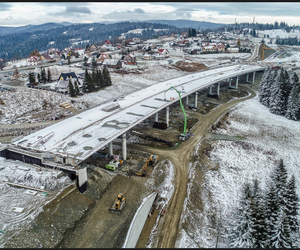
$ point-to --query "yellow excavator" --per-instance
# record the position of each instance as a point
(118, 204)
(149, 161)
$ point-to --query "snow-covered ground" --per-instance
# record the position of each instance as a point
(19, 206)
(268, 138)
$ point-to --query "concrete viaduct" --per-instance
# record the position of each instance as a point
(73, 140)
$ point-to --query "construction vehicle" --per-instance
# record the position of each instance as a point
(119, 203)
(113, 163)
(184, 135)
(149, 161)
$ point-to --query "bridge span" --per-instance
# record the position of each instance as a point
(74, 139)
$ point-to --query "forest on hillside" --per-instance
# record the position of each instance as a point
(16, 46)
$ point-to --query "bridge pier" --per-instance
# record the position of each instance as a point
(110, 149)
(253, 77)
(247, 77)
(167, 116)
(187, 100)
(156, 116)
(236, 83)
(124, 149)
(196, 99)
(210, 93)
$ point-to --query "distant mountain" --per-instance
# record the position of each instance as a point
(31, 28)
(182, 23)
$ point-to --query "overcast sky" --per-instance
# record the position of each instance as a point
(19, 14)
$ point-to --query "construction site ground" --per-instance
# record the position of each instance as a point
(80, 220)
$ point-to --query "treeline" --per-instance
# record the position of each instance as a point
(258, 26)
(96, 80)
(281, 93)
(16, 46)
(267, 219)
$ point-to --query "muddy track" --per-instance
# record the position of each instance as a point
(180, 159)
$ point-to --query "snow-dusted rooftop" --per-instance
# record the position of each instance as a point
(82, 135)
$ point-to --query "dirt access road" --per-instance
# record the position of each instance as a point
(180, 158)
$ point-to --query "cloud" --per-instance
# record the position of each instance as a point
(8, 18)
(139, 10)
(76, 9)
(5, 6)
(72, 11)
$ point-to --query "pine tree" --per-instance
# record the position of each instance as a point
(277, 99)
(49, 75)
(267, 88)
(258, 217)
(43, 75)
(272, 209)
(292, 207)
(85, 85)
(76, 88)
(94, 63)
(71, 89)
(293, 104)
(281, 234)
(294, 79)
(31, 78)
(263, 86)
(242, 227)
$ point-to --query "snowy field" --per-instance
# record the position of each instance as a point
(19, 206)
(268, 138)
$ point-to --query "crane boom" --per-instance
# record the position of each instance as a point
(181, 105)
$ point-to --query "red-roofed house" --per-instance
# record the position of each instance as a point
(34, 60)
(104, 56)
(164, 52)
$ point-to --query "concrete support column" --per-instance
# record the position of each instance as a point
(167, 116)
(124, 149)
(110, 149)
(218, 89)
(196, 99)
(187, 100)
(210, 89)
(156, 117)
(229, 80)
(253, 77)
(247, 77)
(236, 82)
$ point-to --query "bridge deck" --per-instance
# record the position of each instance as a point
(82, 135)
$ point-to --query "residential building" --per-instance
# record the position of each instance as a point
(112, 63)
(130, 59)
(147, 57)
(164, 52)
(34, 60)
(232, 50)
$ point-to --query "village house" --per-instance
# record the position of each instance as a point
(94, 47)
(104, 48)
(233, 50)
(164, 52)
(103, 56)
(107, 43)
(220, 47)
(147, 57)
(136, 40)
(184, 34)
(209, 48)
(62, 85)
(34, 60)
(45, 58)
(130, 59)
(112, 63)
